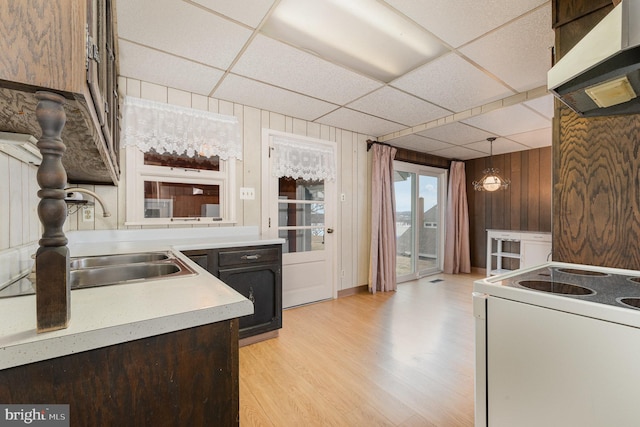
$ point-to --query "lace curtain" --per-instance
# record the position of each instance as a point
(171, 128)
(298, 158)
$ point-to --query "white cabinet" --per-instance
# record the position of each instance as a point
(510, 250)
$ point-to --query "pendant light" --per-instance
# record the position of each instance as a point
(491, 179)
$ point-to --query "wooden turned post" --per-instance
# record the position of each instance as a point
(53, 291)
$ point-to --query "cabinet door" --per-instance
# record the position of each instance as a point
(534, 253)
(260, 285)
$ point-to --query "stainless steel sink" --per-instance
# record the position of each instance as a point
(118, 259)
(88, 272)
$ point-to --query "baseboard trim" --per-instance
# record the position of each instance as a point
(353, 291)
(257, 338)
(478, 270)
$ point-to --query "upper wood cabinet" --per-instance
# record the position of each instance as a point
(67, 47)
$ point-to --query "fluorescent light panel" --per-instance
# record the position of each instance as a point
(362, 35)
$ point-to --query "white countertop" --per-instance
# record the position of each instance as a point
(114, 314)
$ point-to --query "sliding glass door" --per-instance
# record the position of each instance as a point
(420, 193)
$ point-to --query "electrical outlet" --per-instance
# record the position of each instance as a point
(343, 197)
(87, 214)
(247, 193)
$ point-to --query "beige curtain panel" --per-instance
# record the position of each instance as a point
(456, 243)
(382, 266)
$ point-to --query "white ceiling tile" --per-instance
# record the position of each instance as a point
(182, 29)
(418, 143)
(279, 64)
(500, 146)
(356, 121)
(456, 133)
(259, 95)
(452, 83)
(518, 53)
(391, 104)
(534, 139)
(543, 105)
(460, 21)
(509, 120)
(149, 65)
(459, 152)
(248, 12)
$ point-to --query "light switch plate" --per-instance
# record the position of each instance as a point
(247, 193)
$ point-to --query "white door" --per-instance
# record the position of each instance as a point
(303, 213)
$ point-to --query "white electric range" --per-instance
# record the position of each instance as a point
(558, 345)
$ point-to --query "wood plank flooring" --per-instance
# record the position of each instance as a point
(401, 358)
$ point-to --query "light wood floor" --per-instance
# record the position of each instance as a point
(401, 358)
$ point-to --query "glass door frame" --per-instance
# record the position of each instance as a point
(441, 175)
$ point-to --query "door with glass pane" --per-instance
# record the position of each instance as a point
(420, 194)
(302, 212)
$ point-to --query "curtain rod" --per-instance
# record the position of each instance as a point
(370, 144)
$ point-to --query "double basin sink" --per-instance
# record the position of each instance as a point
(92, 271)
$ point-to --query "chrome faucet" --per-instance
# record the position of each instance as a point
(105, 211)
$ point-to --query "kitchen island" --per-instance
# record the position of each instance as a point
(155, 352)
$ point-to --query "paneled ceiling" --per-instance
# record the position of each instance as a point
(476, 69)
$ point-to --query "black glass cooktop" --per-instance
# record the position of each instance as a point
(585, 284)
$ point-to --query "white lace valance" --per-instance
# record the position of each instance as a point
(170, 128)
(298, 158)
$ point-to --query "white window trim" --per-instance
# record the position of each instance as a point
(137, 172)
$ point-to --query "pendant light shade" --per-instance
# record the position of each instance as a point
(491, 179)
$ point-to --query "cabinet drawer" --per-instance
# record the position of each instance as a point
(542, 237)
(248, 256)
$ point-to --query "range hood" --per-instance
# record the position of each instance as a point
(600, 76)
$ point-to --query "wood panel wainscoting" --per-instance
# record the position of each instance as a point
(524, 206)
(403, 358)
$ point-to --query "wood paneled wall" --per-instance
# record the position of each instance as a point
(596, 194)
(525, 205)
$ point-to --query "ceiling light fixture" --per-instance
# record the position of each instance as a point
(363, 35)
(491, 179)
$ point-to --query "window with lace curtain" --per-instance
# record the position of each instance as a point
(180, 164)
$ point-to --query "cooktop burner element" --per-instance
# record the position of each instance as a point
(582, 272)
(555, 287)
(603, 287)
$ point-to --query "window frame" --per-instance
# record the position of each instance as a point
(137, 173)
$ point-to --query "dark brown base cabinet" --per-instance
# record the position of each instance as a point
(183, 378)
(256, 273)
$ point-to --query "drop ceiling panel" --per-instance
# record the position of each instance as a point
(149, 65)
(509, 120)
(418, 143)
(460, 21)
(459, 153)
(500, 146)
(281, 65)
(392, 104)
(518, 53)
(248, 12)
(534, 139)
(259, 95)
(345, 118)
(181, 29)
(544, 105)
(452, 83)
(457, 133)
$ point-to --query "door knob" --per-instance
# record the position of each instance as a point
(329, 230)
